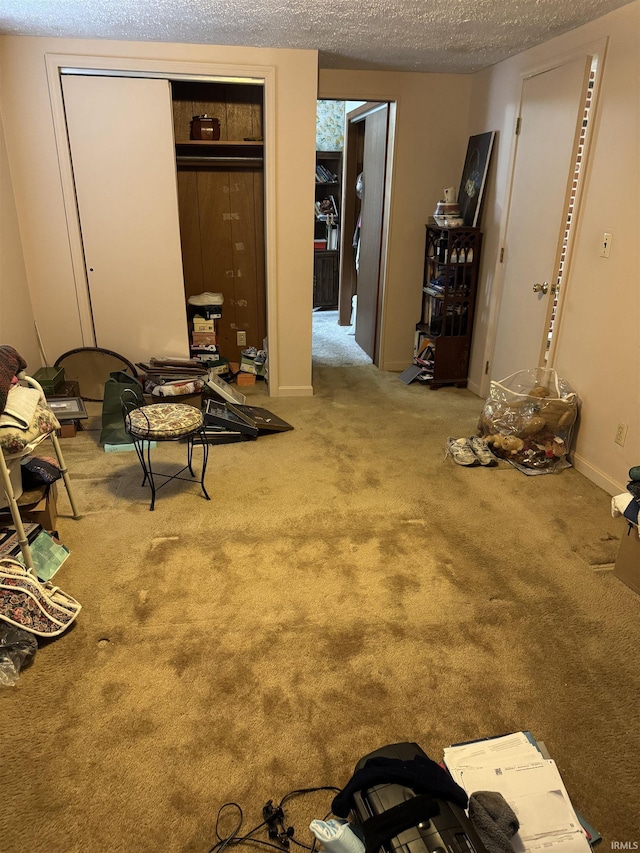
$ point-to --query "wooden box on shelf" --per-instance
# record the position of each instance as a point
(205, 127)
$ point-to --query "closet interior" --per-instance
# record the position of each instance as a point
(221, 205)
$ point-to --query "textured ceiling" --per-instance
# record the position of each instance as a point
(404, 35)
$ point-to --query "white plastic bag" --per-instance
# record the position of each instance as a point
(528, 420)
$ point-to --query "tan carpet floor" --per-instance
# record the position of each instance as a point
(346, 587)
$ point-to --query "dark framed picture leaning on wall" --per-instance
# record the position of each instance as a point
(474, 176)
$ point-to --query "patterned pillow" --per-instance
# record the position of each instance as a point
(14, 441)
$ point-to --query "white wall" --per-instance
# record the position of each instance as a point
(16, 315)
(599, 337)
(39, 200)
(599, 349)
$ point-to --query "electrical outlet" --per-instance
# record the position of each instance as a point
(621, 434)
(241, 339)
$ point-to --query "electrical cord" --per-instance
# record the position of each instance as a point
(299, 791)
(285, 837)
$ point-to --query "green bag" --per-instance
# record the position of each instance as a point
(113, 431)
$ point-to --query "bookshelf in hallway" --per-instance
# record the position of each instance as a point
(450, 280)
(328, 199)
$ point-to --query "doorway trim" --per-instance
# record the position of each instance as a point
(355, 116)
(590, 49)
(56, 64)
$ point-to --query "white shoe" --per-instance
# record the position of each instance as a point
(460, 450)
(206, 299)
(481, 449)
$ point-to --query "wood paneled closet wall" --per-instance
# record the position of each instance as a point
(221, 205)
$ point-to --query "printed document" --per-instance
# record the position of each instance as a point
(530, 784)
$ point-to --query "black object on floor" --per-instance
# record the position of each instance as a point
(381, 807)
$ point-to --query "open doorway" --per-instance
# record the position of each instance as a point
(350, 231)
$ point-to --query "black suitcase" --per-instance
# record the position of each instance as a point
(450, 831)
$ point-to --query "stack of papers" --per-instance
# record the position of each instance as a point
(530, 783)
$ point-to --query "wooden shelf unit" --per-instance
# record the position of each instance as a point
(450, 280)
(326, 267)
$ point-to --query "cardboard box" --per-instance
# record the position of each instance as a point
(209, 312)
(248, 365)
(39, 506)
(45, 512)
(67, 430)
(220, 368)
(201, 325)
(246, 379)
(199, 338)
(627, 567)
(207, 361)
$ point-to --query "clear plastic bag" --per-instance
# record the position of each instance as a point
(528, 420)
(17, 650)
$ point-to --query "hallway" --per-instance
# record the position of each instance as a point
(334, 345)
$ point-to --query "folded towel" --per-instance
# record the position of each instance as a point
(20, 408)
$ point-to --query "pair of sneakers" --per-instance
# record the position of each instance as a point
(470, 451)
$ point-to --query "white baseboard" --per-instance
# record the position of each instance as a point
(596, 475)
(292, 391)
(395, 366)
(474, 388)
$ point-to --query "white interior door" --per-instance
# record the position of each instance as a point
(552, 105)
(372, 214)
(123, 154)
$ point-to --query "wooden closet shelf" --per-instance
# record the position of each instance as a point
(219, 152)
(220, 143)
(220, 160)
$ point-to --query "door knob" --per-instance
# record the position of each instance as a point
(544, 287)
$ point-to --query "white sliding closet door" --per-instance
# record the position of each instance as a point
(122, 150)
